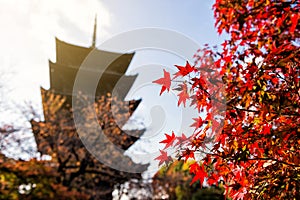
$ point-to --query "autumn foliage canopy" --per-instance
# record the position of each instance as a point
(247, 93)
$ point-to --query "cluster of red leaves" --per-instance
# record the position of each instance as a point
(253, 144)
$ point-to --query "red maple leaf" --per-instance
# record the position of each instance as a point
(199, 83)
(165, 82)
(294, 20)
(200, 173)
(184, 70)
(188, 154)
(169, 140)
(194, 168)
(181, 139)
(164, 158)
(183, 95)
(213, 179)
(198, 123)
(266, 129)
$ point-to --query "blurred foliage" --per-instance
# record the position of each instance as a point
(32, 180)
(173, 182)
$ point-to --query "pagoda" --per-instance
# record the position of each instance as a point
(56, 135)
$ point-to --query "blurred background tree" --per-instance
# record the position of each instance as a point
(173, 182)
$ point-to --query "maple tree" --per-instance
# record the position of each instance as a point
(248, 97)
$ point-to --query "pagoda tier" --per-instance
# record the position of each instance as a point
(116, 113)
(62, 79)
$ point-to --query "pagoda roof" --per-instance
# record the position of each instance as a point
(111, 66)
(73, 55)
(62, 78)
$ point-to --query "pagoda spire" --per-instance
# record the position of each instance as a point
(94, 33)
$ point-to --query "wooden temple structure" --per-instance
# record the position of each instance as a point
(56, 135)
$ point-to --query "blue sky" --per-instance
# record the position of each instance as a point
(29, 28)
